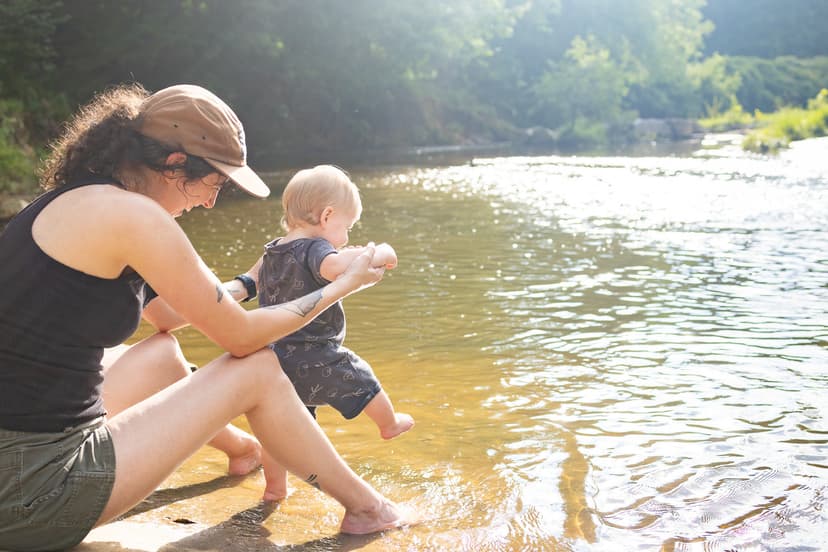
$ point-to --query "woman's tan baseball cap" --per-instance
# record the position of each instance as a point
(198, 122)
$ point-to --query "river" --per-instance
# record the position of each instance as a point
(600, 352)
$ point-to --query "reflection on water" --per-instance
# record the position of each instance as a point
(598, 352)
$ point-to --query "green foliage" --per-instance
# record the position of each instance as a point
(302, 74)
(769, 84)
(26, 52)
(715, 86)
(647, 46)
(732, 119)
(309, 77)
(666, 42)
(17, 160)
(767, 28)
(777, 130)
(587, 86)
(29, 111)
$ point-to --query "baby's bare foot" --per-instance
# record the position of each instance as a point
(276, 491)
(276, 485)
(387, 516)
(404, 423)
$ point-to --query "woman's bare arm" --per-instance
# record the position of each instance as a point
(161, 315)
(101, 230)
(164, 256)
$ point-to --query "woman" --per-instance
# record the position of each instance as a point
(77, 266)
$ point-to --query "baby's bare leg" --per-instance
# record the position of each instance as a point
(390, 423)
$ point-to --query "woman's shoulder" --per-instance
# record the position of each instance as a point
(97, 228)
(106, 211)
(115, 203)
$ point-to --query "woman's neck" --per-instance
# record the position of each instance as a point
(138, 180)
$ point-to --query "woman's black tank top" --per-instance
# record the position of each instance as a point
(55, 322)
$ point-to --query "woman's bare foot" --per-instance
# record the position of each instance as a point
(387, 516)
(403, 423)
(247, 460)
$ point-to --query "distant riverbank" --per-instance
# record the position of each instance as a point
(773, 132)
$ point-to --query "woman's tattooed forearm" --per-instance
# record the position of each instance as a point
(303, 305)
(236, 291)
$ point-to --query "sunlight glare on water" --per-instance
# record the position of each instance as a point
(599, 351)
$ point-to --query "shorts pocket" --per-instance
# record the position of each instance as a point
(10, 493)
(69, 491)
(74, 503)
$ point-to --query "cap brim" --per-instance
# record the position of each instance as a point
(243, 177)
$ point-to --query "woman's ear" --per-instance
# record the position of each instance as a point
(175, 159)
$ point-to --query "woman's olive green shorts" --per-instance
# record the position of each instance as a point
(53, 486)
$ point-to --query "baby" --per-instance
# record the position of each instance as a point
(321, 205)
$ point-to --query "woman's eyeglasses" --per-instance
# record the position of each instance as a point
(217, 187)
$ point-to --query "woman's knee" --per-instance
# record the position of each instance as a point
(164, 341)
(166, 348)
(262, 371)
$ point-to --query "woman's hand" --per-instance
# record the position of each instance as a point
(361, 273)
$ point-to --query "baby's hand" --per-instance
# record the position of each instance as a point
(385, 256)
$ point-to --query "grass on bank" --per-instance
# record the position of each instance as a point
(772, 132)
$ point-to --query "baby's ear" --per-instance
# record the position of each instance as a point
(326, 214)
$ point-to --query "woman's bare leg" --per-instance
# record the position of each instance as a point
(153, 437)
(133, 373)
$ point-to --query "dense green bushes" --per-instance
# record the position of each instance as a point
(768, 84)
(774, 131)
(17, 159)
(30, 111)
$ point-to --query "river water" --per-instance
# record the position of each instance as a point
(601, 353)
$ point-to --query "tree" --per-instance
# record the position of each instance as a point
(26, 50)
(586, 88)
(309, 73)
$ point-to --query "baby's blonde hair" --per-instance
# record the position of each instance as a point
(311, 190)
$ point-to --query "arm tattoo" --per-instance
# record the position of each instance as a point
(219, 293)
(303, 305)
(312, 480)
(234, 290)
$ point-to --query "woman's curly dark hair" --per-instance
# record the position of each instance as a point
(101, 140)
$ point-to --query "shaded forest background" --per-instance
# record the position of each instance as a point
(317, 76)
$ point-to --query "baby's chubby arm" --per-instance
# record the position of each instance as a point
(335, 264)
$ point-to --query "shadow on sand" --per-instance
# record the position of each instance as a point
(243, 532)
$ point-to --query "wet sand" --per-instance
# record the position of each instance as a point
(200, 508)
(133, 536)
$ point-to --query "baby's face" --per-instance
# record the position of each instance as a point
(338, 225)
